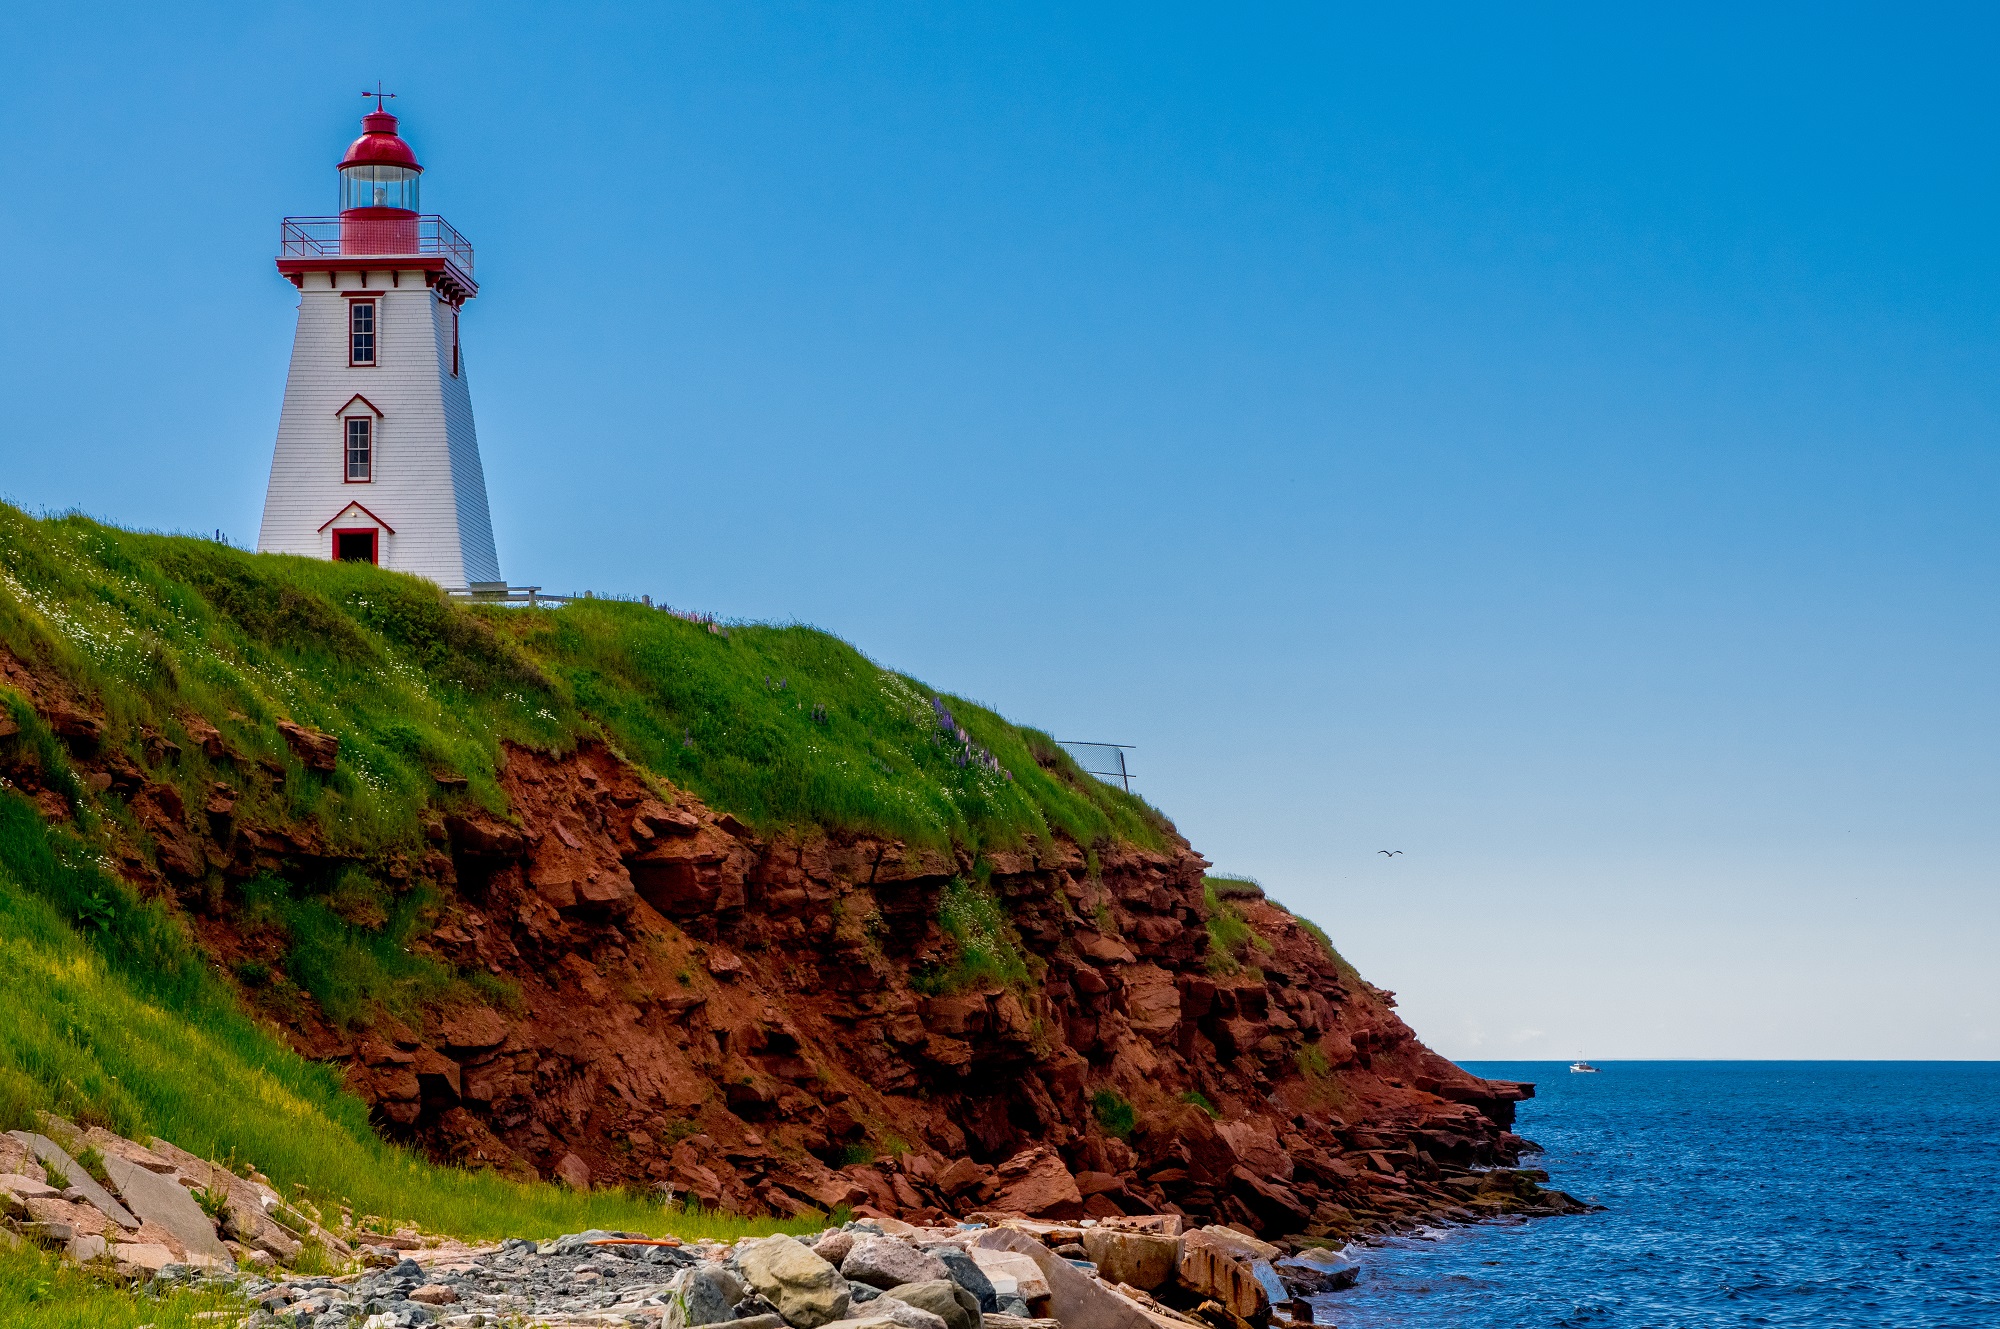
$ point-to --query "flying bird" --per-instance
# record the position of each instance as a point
(1390, 852)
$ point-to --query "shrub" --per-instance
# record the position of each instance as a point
(1118, 1117)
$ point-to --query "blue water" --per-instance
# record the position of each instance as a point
(1822, 1194)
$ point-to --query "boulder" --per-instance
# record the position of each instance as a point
(704, 1295)
(148, 1257)
(573, 1172)
(1142, 1259)
(51, 1154)
(434, 1294)
(1316, 1270)
(1011, 1274)
(1035, 1182)
(965, 1272)
(161, 1201)
(1075, 1298)
(959, 1176)
(1211, 1269)
(807, 1291)
(833, 1246)
(995, 1321)
(905, 1316)
(84, 1249)
(885, 1262)
(943, 1298)
(1243, 1243)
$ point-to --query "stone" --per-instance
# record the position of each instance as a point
(573, 1172)
(50, 1153)
(1316, 1269)
(1213, 1269)
(147, 1256)
(994, 1321)
(473, 1029)
(1143, 1260)
(1036, 1183)
(965, 1272)
(959, 1176)
(1243, 1243)
(704, 1294)
(1165, 1225)
(83, 1249)
(1274, 1286)
(943, 1298)
(833, 1246)
(1011, 1273)
(907, 1316)
(885, 1262)
(747, 1322)
(807, 1290)
(315, 751)
(1075, 1298)
(434, 1294)
(162, 1201)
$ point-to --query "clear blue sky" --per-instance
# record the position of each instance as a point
(1558, 445)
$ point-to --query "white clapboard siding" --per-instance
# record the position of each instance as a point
(428, 486)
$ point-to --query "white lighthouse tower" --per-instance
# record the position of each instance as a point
(376, 457)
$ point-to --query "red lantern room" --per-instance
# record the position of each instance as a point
(379, 220)
(378, 190)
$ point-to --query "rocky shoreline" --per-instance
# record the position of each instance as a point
(158, 1218)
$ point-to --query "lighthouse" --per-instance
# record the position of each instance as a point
(376, 459)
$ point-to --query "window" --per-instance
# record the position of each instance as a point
(361, 332)
(454, 341)
(360, 449)
(354, 547)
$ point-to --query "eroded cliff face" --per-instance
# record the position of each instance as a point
(762, 1023)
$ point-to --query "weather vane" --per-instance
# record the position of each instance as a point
(378, 95)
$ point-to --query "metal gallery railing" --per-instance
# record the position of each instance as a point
(371, 237)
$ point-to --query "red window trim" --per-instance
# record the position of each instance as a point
(374, 436)
(375, 321)
(374, 542)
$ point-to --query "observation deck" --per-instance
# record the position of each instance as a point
(388, 245)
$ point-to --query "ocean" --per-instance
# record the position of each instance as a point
(1822, 1194)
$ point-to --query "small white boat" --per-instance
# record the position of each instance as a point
(1582, 1068)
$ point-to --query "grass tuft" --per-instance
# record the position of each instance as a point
(1117, 1116)
(987, 951)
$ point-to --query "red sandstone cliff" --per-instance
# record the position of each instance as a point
(739, 1018)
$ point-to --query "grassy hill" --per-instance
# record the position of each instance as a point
(114, 1016)
(784, 727)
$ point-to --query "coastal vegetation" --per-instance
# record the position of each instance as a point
(126, 1026)
(784, 727)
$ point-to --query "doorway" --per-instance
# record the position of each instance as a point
(355, 547)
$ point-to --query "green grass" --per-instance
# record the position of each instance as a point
(126, 1027)
(784, 727)
(985, 947)
(38, 1291)
(1200, 1100)
(1117, 1116)
(1229, 886)
(1230, 936)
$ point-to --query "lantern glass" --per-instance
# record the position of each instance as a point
(378, 187)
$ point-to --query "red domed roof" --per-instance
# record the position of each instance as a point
(379, 144)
